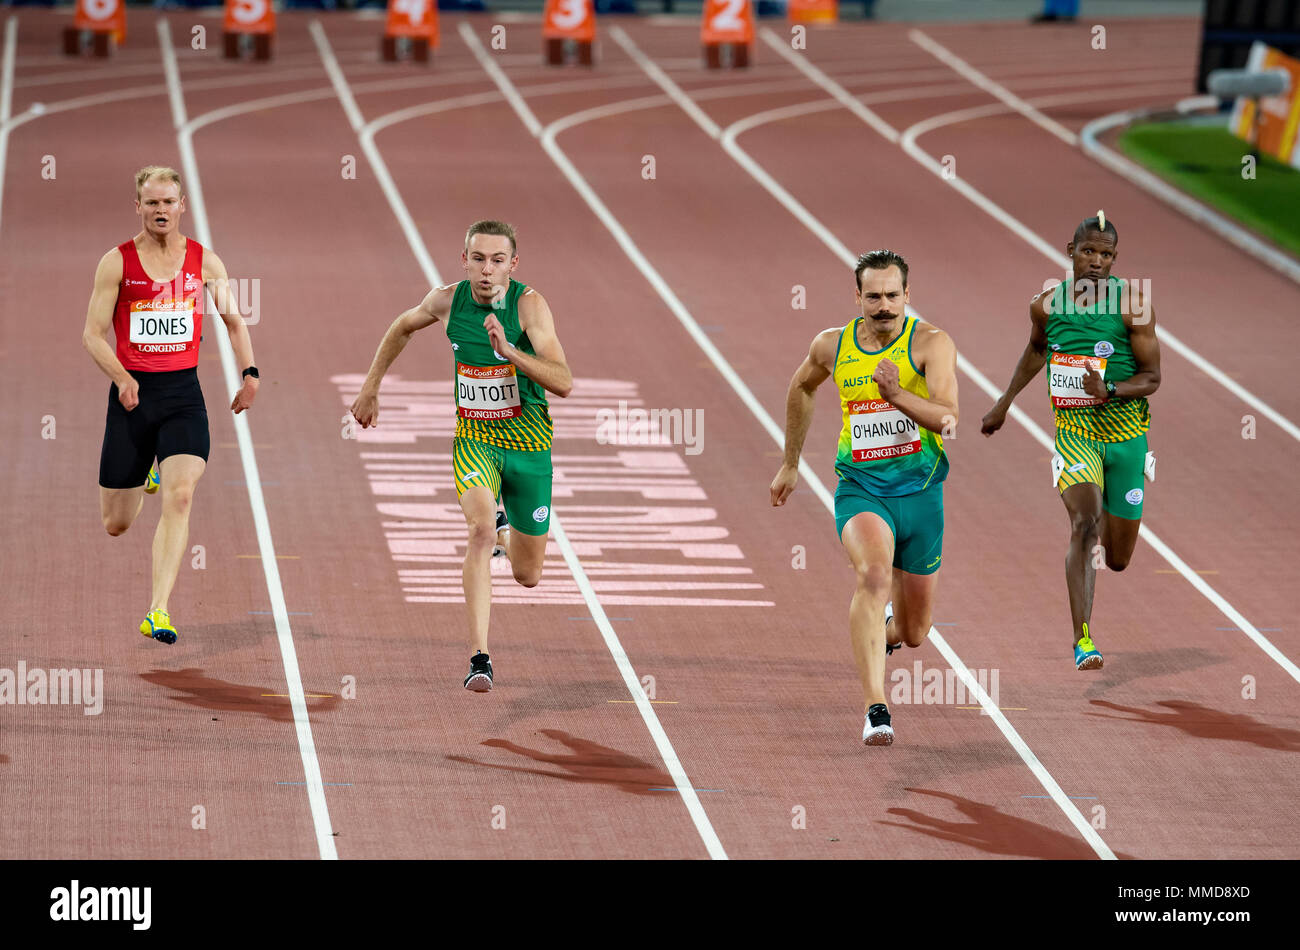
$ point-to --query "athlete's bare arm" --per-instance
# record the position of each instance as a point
(1032, 361)
(548, 368)
(1146, 354)
(217, 281)
(799, 402)
(936, 356)
(435, 306)
(99, 317)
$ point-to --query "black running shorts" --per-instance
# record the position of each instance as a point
(171, 419)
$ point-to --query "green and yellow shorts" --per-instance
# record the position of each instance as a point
(916, 521)
(520, 480)
(1115, 467)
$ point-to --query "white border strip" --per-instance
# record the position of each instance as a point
(279, 609)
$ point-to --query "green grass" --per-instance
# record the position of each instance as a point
(1206, 162)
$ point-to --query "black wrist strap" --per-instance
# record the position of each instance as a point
(250, 371)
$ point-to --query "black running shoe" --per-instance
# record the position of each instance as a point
(480, 673)
(500, 549)
(878, 730)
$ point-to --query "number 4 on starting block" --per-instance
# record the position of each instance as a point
(727, 33)
(249, 27)
(411, 30)
(98, 25)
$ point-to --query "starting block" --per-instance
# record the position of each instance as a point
(248, 29)
(727, 33)
(569, 32)
(813, 11)
(98, 26)
(410, 31)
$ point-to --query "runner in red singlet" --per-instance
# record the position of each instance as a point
(155, 405)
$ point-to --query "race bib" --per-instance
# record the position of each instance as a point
(880, 430)
(1065, 379)
(487, 392)
(162, 326)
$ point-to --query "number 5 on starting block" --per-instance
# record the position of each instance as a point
(251, 18)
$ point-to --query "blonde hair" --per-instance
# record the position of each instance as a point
(155, 171)
(498, 228)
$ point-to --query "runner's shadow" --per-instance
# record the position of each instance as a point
(588, 762)
(209, 693)
(1205, 722)
(1142, 664)
(992, 831)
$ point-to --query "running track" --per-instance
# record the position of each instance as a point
(754, 685)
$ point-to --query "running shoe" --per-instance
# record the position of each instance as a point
(889, 615)
(158, 625)
(480, 673)
(1086, 655)
(502, 525)
(152, 482)
(878, 730)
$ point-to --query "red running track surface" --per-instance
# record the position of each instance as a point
(737, 611)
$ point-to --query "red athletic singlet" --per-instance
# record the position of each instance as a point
(159, 326)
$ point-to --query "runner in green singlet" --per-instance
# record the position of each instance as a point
(507, 357)
(1104, 362)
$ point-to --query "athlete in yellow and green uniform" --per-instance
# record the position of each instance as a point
(507, 357)
(1097, 336)
(897, 385)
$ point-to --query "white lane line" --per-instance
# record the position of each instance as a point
(279, 609)
(908, 143)
(1279, 260)
(838, 248)
(834, 89)
(992, 87)
(684, 787)
(6, 97)
(377, 163)
(1013, 737)
(670, 87)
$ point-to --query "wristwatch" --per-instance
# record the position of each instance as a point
(251, 371)
(1110, 388)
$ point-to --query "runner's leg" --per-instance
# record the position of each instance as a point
(1083, 502)
(913, 606)
(118, 508)
(870, 546)
(179, 475)
(480, 507)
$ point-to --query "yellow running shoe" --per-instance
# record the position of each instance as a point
(1086, 654)
(152, 483)
(158, 625)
